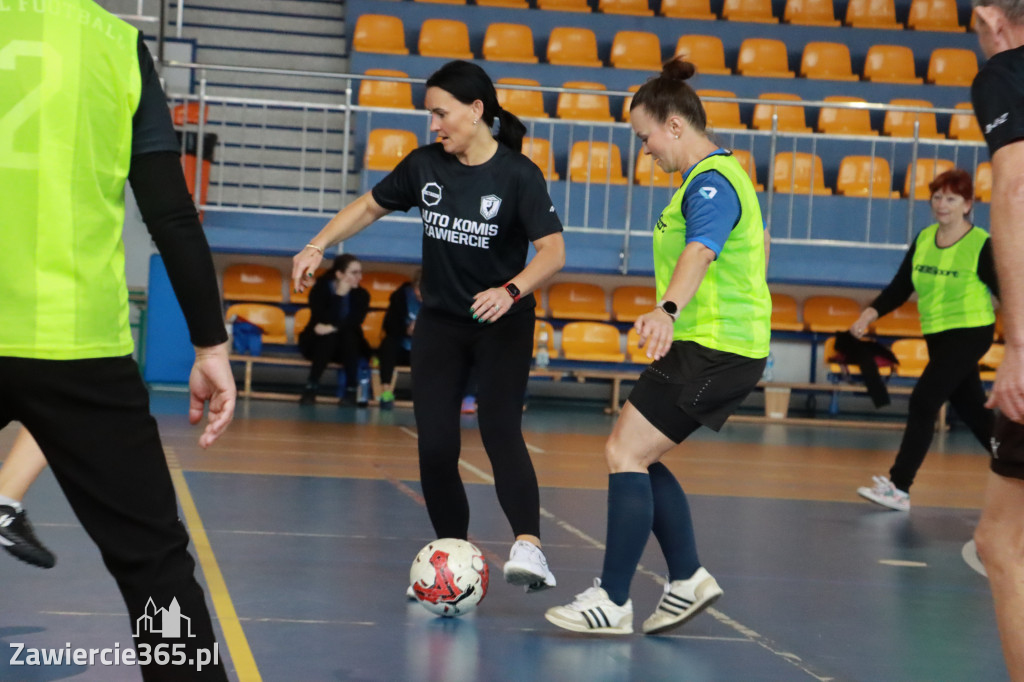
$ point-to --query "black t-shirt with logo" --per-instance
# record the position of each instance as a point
(478, 221)
(998, 98)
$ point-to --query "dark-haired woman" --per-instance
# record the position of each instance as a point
(950, 266)
(708, 337)
(338, 307)
(482, 203)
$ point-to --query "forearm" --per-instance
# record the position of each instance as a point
(1008, 242)
(689, 273)
(349, 221)
(549, 259)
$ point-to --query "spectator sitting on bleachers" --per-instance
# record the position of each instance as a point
(338, 306)
(399, 322)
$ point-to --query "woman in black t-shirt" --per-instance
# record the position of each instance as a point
(482, 203)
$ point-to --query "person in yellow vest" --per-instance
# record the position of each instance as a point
(20, 469)
(950, 267)
(708, 337)
(81, 112)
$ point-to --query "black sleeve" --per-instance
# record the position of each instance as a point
(535, 207)
(899, 289)
(997, 95)
(987, 268)
(170, 216)
(360, 306)
(398, 309)
(152, 129)
(398, 191)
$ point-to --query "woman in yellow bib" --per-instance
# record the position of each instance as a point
(950, 266)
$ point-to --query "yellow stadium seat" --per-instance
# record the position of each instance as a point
(636, 50)
(890, 64)
(508, 4)
(864, 176)
(991, 360)
(543, 326)
(827, 61)
(379, 33)
(785, 316)
(952, 66)
(578, 301)
(581, 106)
(721, 115)
(570, 46)
(634, 7)
(904, 321)
(983, 181)
(872, 14)
(300, 322)
(448, 38)
(634, 353)
(934, 15)
(381, 284)
(385, 147)
(706, 52)
(926, 171)
(758, 11)
(764, 57)
(799, 173)
(538, 150)
(836, 121)
(269, 318)
(810, 13)
(373, 327)
(901, 123)
(912, 355)
(509, 43)
(790, 118)
(965, 126)
(564, 5)
(528, 103)
(627, 102)
(592, 341)
(390, 94)
(253, 282)
(596, 162)
(688, 9)
(830, 314)
(630, 302)
(646, 173)
(746, 160)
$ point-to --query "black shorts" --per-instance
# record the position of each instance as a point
(693, 383)
(1008, 447)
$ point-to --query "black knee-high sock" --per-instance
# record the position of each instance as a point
(673, 525)
(630, 516)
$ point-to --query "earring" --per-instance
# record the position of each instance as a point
(476, 121)
(677, 137)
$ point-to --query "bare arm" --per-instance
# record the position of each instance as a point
(549, 259)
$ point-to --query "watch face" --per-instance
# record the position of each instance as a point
(670, 307)
(512, 290)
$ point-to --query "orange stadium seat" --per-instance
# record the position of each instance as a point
(385, 147)
(934, 15)
(581, 106)
(564, 5)
(592, 341)
(630, 302)
(746, 160)
(634, 7)
(448, 38)
(790, 118)
(300, 321)
(538, 150)
(759, 11)
(578, 301)
(569, 46)
(890, 64)
(188, 114)
(926, 171)
(764, 57)
(837, 121)
(799, 173)
(634, 353)
(983, 181)
(390, 94)
(269, 318)
(373, 327)
(381, 284)
(646, 172)
(253, 282)
(991, 360)
(785, 315)
(528, 103)
(507, 4)
(541, 326)
(827, 61)
(721, 114)
(810, 13)
(636, 50)
(952, 66)
(379, 33)
(830, 313)
(912, 355)
(965, 126)
(687, 9)
(509, 43)
(627, 101)
(864, 176)
(904, 321)
(901, 123)
(596, 162)
(706, 52)
(872, 14)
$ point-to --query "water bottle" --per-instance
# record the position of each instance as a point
(543, 358)
(769, 368)
(363, 390)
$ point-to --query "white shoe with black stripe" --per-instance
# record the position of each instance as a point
(592, 611)
(683, 599)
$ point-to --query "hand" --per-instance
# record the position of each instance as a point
(860, 327)
(490, 305)
(211, 381)
(322, 329)
(1008, 392)
(655, 330)
(304, 265)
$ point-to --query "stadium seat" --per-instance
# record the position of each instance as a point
(965, 126)
(385, 147)
(509, 43)
(799, 173)
(904, 321)
(721, 115)
(507, 4)
(302, 297)
(764, 57)
(790, 118)
(634, 353)
(646, 173)
(578, 301)
(934, 15)
(872, 14)
(926, 171)
(373, 326)
(912, 355)
(746, 160)
(901, 123)
(836, 121)
(758, 11)
(300, 321)
(991, 360)
(544, 326)
(569, 46)
(810, 13)
(890, 64)
(538, 150)
(598, 162)
(636, 50)
(630, 302)
(391, 94)
(627, 102)
(827, 61)
(865, 176)
(188, 114)
(706, 52)
(634, 7)
(952, 66)
(564, 5)
(253, 282)
(785, 315)
(687, 9)
(581, 106)
(592, 341)
(268, 318)
(528, 103)
(381, 284)
(983, 181)
(379, 33)
(830, 314)
(448, 38)
(445, 2)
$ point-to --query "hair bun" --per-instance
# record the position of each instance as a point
(678, 69)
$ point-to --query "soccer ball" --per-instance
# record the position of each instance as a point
(449, 577)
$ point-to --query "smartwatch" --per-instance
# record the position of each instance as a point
(670, 308)
(513, 291)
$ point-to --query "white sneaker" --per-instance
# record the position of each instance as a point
(593, 611)
(527, 566)
(682, 600)
(886, 494)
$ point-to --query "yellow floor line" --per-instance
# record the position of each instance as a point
(237, 644)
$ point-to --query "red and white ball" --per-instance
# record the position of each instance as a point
(449, 577)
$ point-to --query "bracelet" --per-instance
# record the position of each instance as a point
(311, 245)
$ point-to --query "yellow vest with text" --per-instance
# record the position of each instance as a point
(950, 295)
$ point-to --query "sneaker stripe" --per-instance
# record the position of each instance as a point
(596, 618)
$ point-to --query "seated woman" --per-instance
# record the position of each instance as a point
(338, 306)
(399, 322)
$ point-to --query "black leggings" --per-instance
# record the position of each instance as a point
(951, 374)
(443, 352)
(344, 346)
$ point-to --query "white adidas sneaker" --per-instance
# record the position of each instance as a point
(682, 600)
(592, 611)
